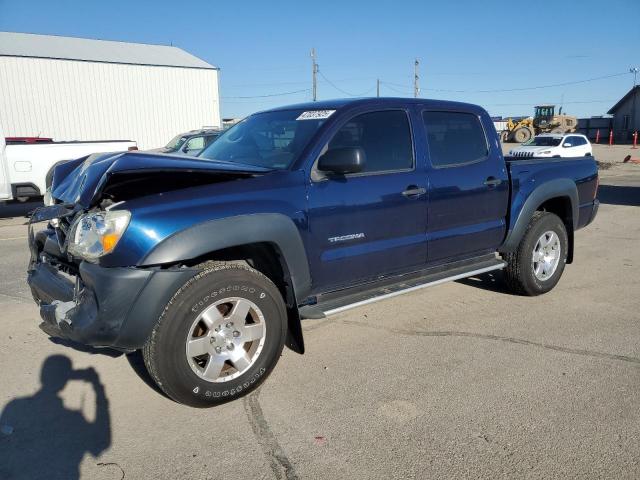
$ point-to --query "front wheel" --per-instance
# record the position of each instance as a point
(537, 264)
(522, 135)
(219, 337)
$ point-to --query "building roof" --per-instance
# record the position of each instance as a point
(613, 109)
(89, 50)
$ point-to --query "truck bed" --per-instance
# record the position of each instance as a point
(527, 174)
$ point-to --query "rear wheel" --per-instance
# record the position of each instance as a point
(537, 264)
(522, 135)
(219, 337)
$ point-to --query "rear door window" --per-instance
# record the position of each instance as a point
(455, 138)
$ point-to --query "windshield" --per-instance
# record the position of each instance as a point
(175, 143)
(271, 139)
(544, 142)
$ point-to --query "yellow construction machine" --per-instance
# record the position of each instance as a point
(544, 120)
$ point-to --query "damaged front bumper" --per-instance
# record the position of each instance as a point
(99, 306)
(89, 308)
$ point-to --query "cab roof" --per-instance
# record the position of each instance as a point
(375, 101)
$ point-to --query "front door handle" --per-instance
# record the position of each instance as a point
(492, 182)
(413, 191)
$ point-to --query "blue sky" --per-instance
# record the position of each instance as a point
(465, 47)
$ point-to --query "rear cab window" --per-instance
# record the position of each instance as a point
(454, 138)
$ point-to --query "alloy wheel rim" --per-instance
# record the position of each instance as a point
(225, 339)
(546, 255)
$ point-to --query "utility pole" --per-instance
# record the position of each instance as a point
(416, 87)
(635, 71)
(377, 87)
(314, 71)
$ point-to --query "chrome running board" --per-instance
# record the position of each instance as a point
(338, 302)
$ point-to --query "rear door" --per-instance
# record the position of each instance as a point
(373, 223)
(468, 186)
(5, 182)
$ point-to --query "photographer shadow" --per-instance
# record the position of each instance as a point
(41, 438)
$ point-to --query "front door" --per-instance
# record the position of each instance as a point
(370, 224)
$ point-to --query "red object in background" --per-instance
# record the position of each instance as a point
(598, 136)
(635, 140)
(28, 140)
(611, 137)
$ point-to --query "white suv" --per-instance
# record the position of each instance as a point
(554, 145)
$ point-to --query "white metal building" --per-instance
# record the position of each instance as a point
(81, 89)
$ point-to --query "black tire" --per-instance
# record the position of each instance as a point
(519, 273)
(522, 135)
(165, 351)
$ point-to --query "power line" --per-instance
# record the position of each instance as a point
(520, 89)
(344, 91)
(389, 86)
(529, 103)
(538, 87)
(300, 82)
(281, 94)
(272, 84)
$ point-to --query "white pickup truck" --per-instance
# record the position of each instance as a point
(26, 163)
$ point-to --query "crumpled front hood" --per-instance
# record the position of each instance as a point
(83, 181)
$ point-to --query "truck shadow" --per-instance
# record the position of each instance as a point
(42, 438)
(619, 195)
(109, 352)
(137, 365)
(492, 282)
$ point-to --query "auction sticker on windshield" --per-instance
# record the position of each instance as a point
(315, 115)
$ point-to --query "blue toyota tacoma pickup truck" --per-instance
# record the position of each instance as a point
(208, 265)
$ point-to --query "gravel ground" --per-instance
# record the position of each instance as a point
(458, 381)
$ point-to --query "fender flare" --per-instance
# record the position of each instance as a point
(235, 231)
(561, 187)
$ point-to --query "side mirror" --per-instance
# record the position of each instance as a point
(341, 161)
(567, 145)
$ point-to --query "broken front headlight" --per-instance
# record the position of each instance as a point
(96, 234)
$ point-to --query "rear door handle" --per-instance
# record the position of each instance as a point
(413, 191)
(492, 182)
